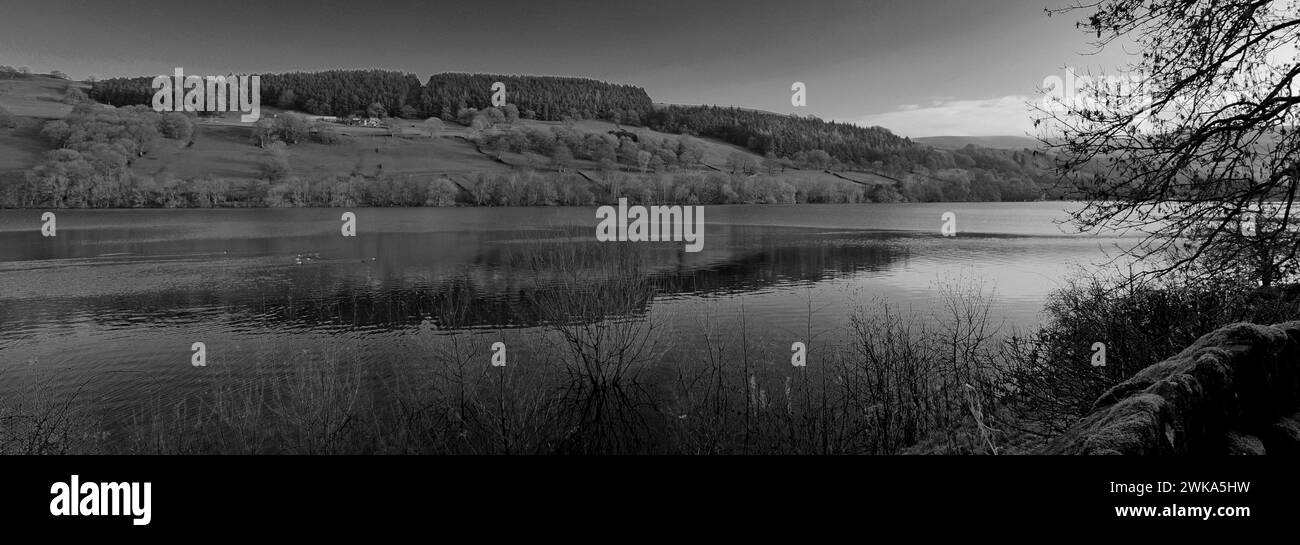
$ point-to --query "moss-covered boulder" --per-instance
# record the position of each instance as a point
(1227, 392)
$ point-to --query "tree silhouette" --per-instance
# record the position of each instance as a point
(1193, 140)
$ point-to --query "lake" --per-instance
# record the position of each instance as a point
(110, 306)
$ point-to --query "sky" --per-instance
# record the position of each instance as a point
(917, 67)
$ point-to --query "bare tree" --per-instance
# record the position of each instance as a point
(433, 127)
(1195, 142)
(643, 160)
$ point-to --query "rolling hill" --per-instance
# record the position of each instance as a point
(222, 146)
(735, 143)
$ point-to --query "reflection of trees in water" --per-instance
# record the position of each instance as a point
(513, 287)
(613, 419)
(601, 348)
(506, 288)
(777, 264)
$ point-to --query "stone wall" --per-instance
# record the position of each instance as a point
(1233, 391)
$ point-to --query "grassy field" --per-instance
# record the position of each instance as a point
(225, 151)
(33, 101)
(36, 97)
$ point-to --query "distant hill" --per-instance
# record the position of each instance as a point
(991, 142)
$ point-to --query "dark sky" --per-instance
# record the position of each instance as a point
(920, 67)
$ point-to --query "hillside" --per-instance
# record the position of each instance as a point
(781, 135)
(216, 161)
(30, 102)
(222, 148)
(39, 97)
(221, 144)
(716, 154)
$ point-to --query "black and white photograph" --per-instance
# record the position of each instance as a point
(443, 231)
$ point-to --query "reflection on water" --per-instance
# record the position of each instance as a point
(131, 290)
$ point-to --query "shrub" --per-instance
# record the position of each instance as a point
(275, 165)
(1049, 376)
(324, 133)
(442, 192)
